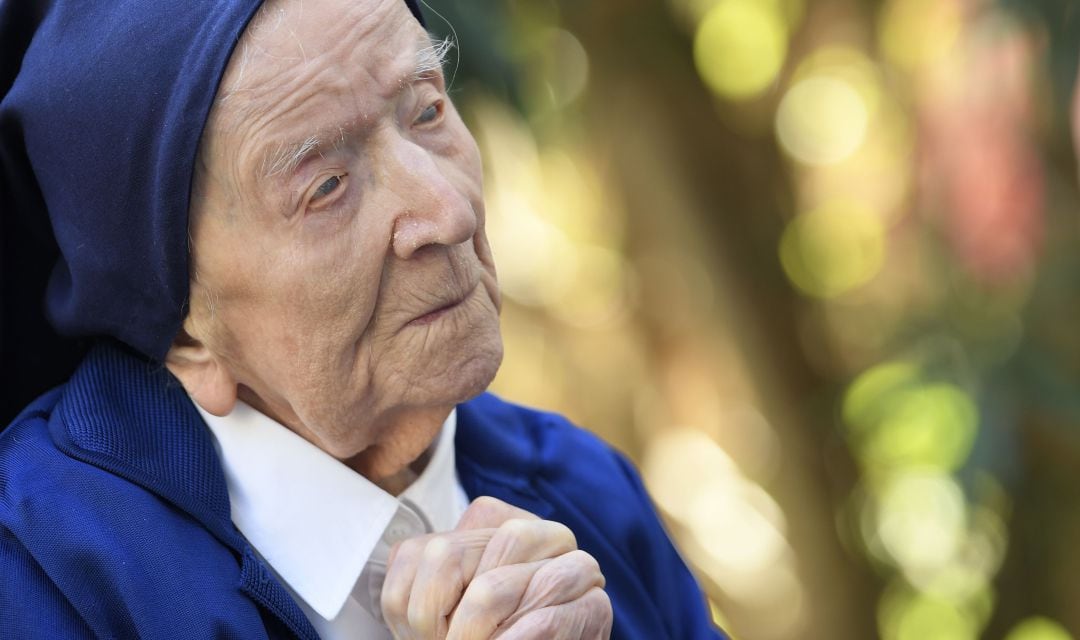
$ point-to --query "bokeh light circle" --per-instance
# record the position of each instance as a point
(832, 249)
(922, 519)
(917, 33)
(926, 617)
(822, 120)
(897, 420)
(740, 47)
(1038, 628)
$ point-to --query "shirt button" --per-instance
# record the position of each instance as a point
(395, 535)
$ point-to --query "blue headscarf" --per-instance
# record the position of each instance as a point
(103, 107)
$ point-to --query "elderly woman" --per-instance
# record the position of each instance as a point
(270, 221)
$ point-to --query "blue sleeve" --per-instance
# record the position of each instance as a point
(31, 606)
(663, 571)
(541, 462)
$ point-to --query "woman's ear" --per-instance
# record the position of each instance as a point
(202, 372)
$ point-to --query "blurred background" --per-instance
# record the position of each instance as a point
(815, 266)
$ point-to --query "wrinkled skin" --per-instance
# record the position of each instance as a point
(352, 297)
(312, 287)
(502, 572)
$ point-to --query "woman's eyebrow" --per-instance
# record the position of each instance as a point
(430, 58)
(284, 158)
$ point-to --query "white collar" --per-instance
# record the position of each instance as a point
(313, 519)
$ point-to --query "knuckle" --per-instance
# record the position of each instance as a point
(519, 530)
(502, 590)
(408, 548)
(582, 559)
(498, 592)
(563, 533)
(587, 564)
(490, 512)
(485, 505)
(566, 577)
(484, 511)
(483, 592)
(485, 502)
(437, 549)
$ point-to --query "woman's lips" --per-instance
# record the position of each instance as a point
(435, 314)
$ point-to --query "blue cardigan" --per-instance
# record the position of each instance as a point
(114, 516)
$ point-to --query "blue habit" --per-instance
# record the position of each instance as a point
(114, 515)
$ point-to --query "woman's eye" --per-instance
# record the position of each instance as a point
(328, 187)
(429, 114)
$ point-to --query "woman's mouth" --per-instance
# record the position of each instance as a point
(435, 314)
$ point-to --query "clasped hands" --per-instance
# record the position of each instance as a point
(502, 572)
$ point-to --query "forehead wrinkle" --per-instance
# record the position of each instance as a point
(283, 158)
(267, 20)
(265, 118)
(262, 40)
(267, 102)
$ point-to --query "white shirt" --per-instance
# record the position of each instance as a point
(325, 530)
